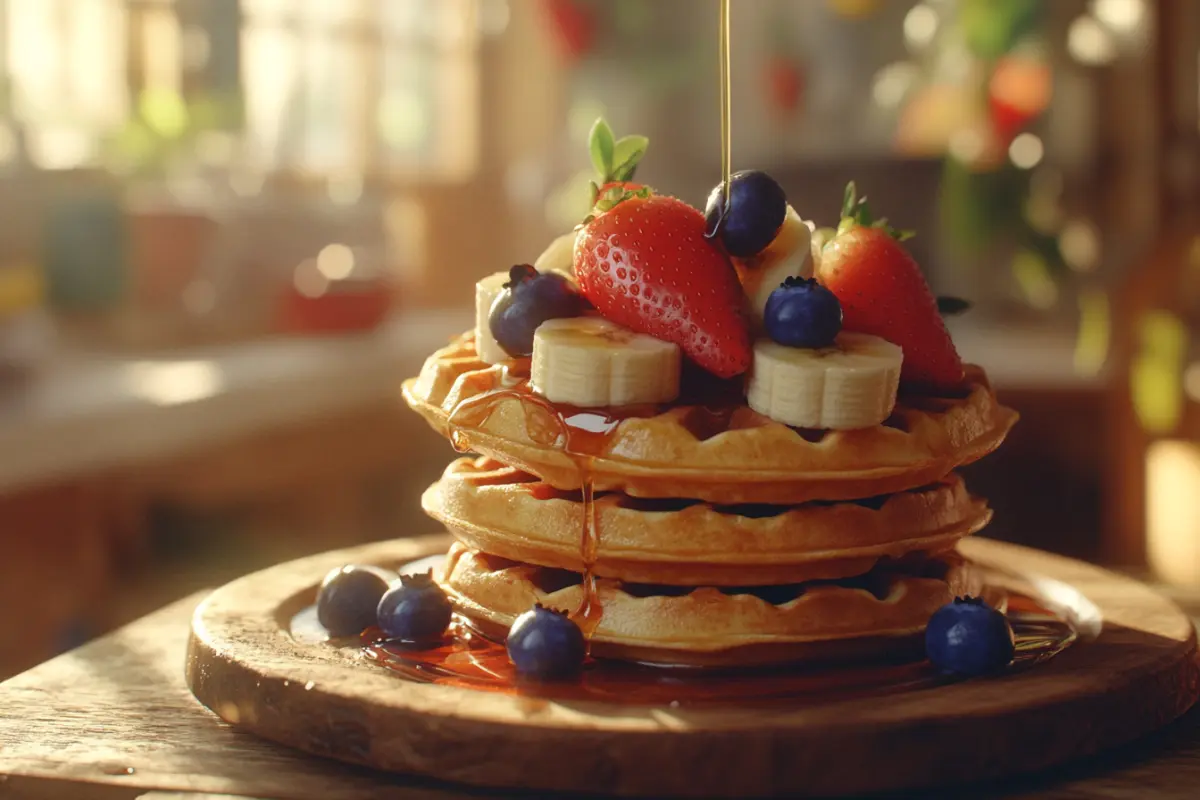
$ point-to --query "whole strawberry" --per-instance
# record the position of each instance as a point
(883, 293)
(644, 263)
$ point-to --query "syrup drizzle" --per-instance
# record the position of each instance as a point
(590, 609)
(579, 433)
(726, 106)
(467, 659)
(583, 434)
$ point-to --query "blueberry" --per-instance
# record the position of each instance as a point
(803, 313)
(968, 638)
(755, 216)
(416, 610)
(529, 299)
(347, 599)
(544, 644)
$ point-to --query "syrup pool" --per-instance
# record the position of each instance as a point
(468, 660)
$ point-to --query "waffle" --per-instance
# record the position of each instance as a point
(880, 611)
(509, 513)
(727, 455)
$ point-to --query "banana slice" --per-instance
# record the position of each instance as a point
(591, 362)
(790, 255)
(850, 385)
(486, 291)
(559, 256)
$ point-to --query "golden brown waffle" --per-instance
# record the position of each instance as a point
(509, 513)
(707, 625)
(732, 455)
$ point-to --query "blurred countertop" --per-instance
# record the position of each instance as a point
(86, 412)
(90, 411)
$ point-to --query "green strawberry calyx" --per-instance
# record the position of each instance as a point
(616, 160)
(612, 197)
(856, 212)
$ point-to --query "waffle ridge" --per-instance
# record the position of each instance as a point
(704, 620)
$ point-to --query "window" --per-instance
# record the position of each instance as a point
(66, 68)
(331, 88)
(362, 86)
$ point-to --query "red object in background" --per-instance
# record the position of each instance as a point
(574, 27)
(784, 83)
(1018, 92)
(348, 308)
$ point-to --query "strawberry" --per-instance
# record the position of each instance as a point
(883, 293)
(644, 263)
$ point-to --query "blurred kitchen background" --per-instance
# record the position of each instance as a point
(228, 229)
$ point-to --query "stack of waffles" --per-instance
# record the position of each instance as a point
(690, 535)
(712, 441)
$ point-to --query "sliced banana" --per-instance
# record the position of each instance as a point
(591, 362)
(849, 385)
(486, 291)
(790, 255)
(559, 256)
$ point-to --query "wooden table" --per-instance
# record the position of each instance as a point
(114, 720)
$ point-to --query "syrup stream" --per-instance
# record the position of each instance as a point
(726, 122)
(726, 106)
(590, 610)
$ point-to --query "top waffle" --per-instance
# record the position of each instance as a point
(727, 455)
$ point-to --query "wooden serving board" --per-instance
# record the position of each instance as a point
(1138, 671)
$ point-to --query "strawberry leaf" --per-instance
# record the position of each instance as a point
(627, 153)
(863, 215)
(849, 200)
(856, 211)
(601, 146)
(615, 160)
(628, 146)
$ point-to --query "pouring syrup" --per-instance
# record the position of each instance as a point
(726, 118)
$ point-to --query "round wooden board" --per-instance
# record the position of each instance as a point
(1140, 672)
